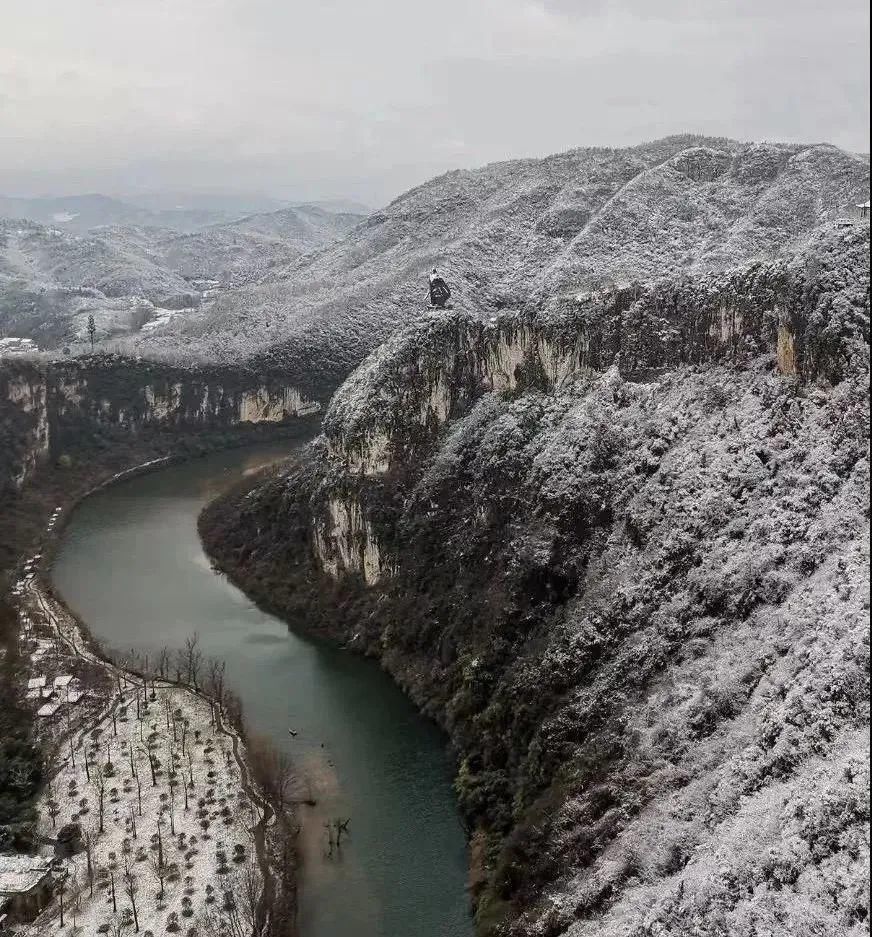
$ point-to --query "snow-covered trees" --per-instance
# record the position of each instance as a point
(622, 549)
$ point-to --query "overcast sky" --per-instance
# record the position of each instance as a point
(364, 98)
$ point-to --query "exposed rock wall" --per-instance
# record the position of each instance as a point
(24, 423)
(47, 408)
(345, 540)
(619, 549)
(393, 408)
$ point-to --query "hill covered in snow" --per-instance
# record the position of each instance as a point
(246, 249)
(132, 277)
(618, 546)
(526, 232)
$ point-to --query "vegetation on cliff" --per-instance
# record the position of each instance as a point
(635, 591)
(528, 232)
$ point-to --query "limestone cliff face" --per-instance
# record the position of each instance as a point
(25, 435)
(345, 541)
(47, 408)
(618, 547)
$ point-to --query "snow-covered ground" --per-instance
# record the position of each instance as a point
(169, 826)
(17, 346)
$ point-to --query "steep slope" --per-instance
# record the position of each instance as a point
(526, 231)
(618, 547)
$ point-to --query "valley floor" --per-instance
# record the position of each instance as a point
(150, 818)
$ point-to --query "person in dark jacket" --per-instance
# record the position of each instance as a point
(439, 292)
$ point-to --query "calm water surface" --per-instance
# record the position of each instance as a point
(132, 566)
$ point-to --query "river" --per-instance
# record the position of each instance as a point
(131, 565)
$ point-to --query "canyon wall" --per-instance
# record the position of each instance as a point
(617, 547)
(48, 409)
(24, 423)
(388, 415)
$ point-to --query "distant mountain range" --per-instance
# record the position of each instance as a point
(82, 213)
(183, 213)
(54, 276)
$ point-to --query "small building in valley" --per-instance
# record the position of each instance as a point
(25, 887)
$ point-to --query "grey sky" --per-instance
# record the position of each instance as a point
(363, 98)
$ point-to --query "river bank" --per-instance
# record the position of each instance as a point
(150, 810)
(39, 630)
(361, 752)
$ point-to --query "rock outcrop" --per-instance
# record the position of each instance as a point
(47, 409)
(390, 412)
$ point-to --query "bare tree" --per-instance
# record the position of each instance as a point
(237, 914)
(130, 889)
(271, 767)
(172, 810)
(62, 886)
(159, 870)
(193, 660)
(138, 783)
(70, 738)
(88, 839)
(113, 865)
(215, 680)
(151, 764)
(98, 781)
(160, 852)
(52, 805)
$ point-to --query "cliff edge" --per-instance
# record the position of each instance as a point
(618, 548)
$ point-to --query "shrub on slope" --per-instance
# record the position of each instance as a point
(639, 607)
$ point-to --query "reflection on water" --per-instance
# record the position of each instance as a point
(131, 565)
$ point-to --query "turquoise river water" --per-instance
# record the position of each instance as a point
(131, 565)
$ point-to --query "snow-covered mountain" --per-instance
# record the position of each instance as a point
(528, 231)
(244, 250)
(128, 276)
(618, 546)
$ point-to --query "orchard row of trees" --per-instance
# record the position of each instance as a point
(186, 666)
(271, 769)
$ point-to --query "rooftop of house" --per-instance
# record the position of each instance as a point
(20, 873)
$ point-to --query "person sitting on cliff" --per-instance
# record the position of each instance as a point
(439, 292)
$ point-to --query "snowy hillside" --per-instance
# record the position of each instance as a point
(244, 250)
(50, 282)
(526, 231)
(131, 278)
(618, 548)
